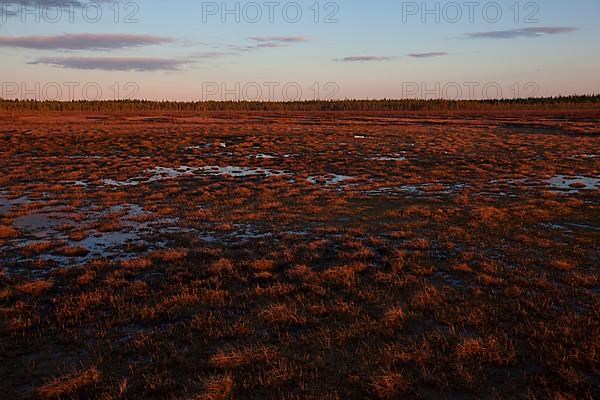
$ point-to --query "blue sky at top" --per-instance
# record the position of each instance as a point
(373, 51)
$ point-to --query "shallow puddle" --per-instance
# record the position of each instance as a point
(418, 189)
(41, 225)
(7, 204)
(165, 173)
(264, 156)
(570, 226)
(240, 171)
(101, 241)
(573, 184)
(198, 147)
(328, 179)
(239, 233)
(405, 189)
(587, 156)
(112, 182)
(126, 243)
(394, 157)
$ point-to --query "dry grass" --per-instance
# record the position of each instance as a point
(263, 265)
(70, 385)
(137, 263)
(389, 386)
(221, 266)
(283, 315)
(7, 232)
(563, 265)
(394, 317)
(234, 359)
(459, 272)
(35, 288)
(218, 388)
(170, 255)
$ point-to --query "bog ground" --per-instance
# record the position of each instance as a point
(300, 255)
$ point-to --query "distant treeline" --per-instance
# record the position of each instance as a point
(588, 101)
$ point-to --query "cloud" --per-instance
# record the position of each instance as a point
(389, 58)
(279, 39)
(363, 59)
(428, 55)
(522, 32)
(208, 55)
(113, 63)
(83, 41)
(263, 42)
(271, 45)
(273, 42)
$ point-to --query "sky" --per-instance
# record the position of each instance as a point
(298, 50)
